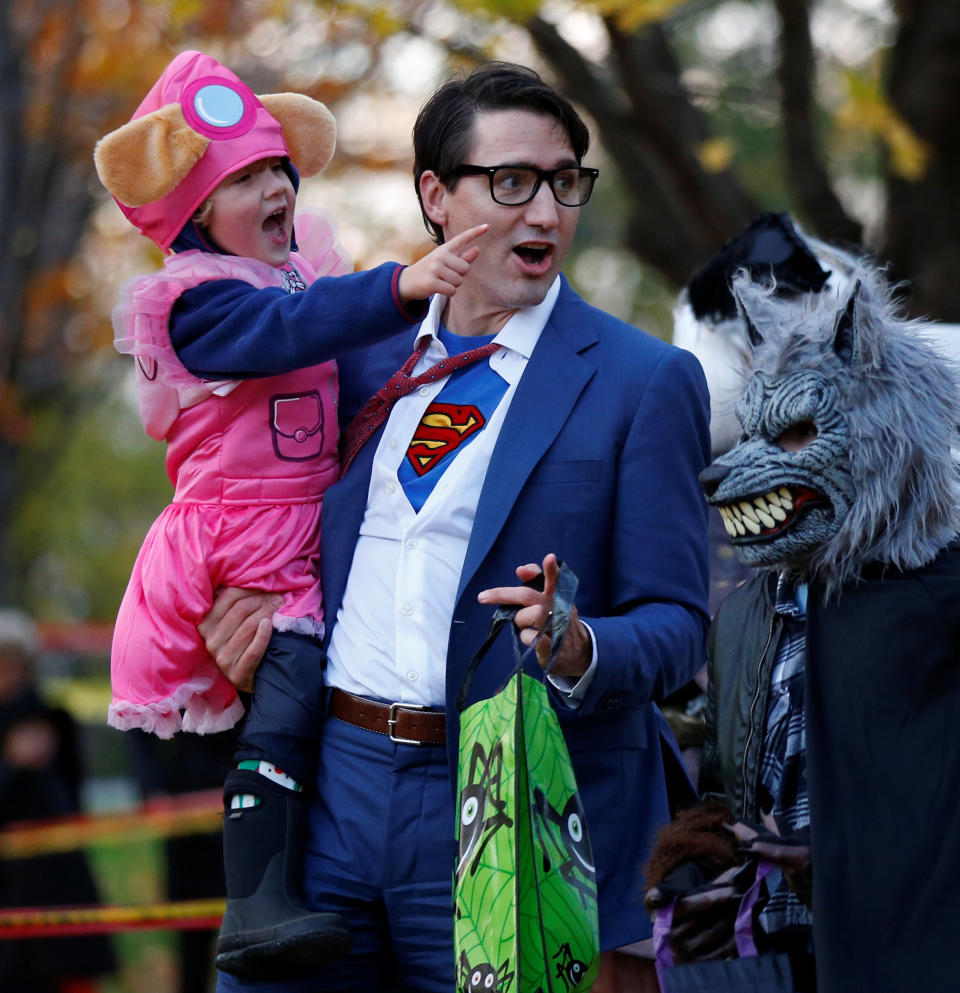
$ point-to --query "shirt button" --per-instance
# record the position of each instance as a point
(390, 487)
(394, 443)
(407, 609)
(411, 542)
(423, 391)
(413, 676)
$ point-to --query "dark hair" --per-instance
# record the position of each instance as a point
(444, 126)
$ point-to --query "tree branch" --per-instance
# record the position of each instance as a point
(661, 107)
(816, 201)
(678, 213)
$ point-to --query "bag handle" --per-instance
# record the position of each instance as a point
(742, 928)
(563, 595)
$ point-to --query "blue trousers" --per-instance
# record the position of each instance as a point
(381, 853)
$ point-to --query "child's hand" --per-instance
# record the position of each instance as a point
(443, 270)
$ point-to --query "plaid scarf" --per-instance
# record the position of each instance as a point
(783, 767)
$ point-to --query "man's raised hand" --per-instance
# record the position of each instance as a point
(533, 619)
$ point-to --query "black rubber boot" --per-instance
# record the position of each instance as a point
(266, 932)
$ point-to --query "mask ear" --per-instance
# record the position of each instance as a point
(846, 341)
(753, 335)
(309, 129)
(147, 158)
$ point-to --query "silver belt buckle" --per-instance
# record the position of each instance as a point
(392, 721)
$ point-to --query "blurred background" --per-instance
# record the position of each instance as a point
(845, 113)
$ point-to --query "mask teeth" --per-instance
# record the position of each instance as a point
(762, 513)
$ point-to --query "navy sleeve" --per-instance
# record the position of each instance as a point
(228, 329)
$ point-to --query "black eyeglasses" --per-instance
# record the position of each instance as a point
(513, 186)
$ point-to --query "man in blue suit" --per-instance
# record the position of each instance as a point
(577, 437)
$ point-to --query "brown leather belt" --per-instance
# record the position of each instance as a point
(404, 723)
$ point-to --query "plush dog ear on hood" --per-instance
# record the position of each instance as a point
(148, 157)
(309, 129)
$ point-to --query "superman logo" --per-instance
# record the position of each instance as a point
(442, 429)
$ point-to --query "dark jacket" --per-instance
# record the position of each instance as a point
(741, 649)
(882, 704)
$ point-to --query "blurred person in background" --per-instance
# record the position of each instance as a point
(187, 763)
(40, 777)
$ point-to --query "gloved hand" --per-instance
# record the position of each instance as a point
(704, 914)
(696, 861)
(789, 852)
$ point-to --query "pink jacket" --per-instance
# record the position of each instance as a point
(250, 462)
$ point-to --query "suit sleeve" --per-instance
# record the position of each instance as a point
(710, 779)
(651, 636)
(228, 329)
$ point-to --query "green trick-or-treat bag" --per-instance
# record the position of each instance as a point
(525, 908)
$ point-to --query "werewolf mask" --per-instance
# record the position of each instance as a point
(848, 417)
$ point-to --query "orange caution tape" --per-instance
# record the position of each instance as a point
(188, 813)
(49, 922)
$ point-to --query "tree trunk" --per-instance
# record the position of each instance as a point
(817, 203)
(922, 236)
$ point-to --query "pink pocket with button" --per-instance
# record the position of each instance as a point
(297, 426)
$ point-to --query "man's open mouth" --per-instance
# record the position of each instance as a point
(533, 255)
(762, 517)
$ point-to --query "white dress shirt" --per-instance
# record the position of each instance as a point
(390, 638)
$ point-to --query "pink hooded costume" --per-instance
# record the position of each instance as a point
(249, 460)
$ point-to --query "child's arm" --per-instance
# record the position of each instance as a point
(443, 269)
(229, 329)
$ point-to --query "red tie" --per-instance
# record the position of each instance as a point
(376, 410)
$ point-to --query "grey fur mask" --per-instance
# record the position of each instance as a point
(848, 420)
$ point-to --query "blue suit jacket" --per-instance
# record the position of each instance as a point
(597, 461)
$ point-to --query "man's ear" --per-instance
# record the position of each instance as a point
(433, 196)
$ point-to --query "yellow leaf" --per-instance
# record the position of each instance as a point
(631, 15)
(517, 11)
(715, 154)
(909, 155)
(867, 110)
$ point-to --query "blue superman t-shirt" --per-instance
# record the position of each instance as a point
(458, 413)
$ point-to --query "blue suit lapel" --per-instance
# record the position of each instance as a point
(343, 508)
(553, 380)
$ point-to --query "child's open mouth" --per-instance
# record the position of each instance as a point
(275, 226)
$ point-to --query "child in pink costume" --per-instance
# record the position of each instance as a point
(206, 167)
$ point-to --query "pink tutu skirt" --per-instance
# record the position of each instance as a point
(164, 680)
